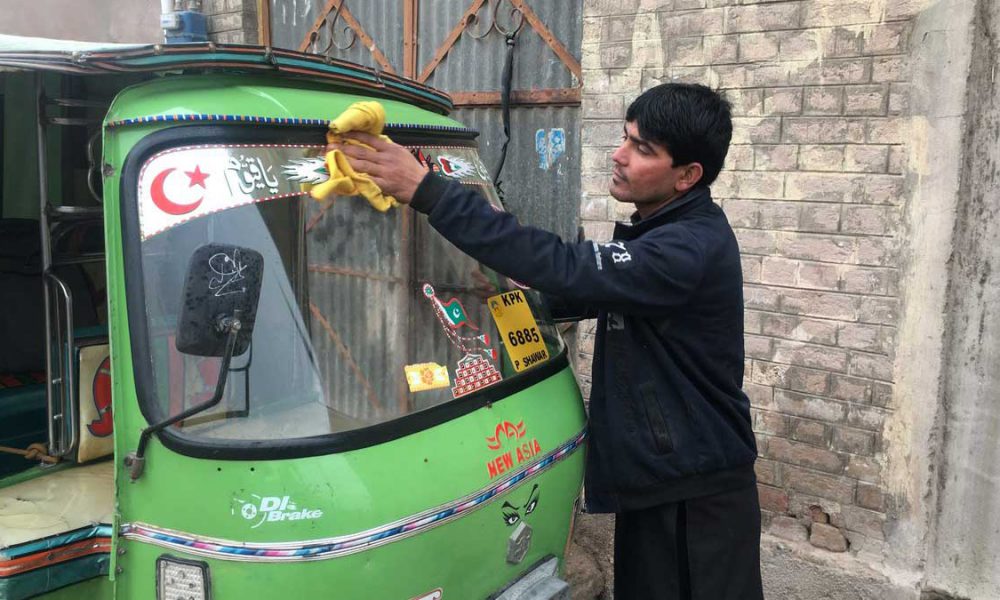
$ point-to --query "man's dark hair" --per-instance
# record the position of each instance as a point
(691, 121)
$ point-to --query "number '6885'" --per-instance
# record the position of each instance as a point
(523, 336)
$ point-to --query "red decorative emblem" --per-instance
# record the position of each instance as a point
(508, 430)
(169, 206)
(102, 426)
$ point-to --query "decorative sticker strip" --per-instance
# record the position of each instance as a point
(426, 376)
(220, 118)
(518, 329)
(460, 164)
(261, 120)
(188, 182)
(185, 183)
(347, 544)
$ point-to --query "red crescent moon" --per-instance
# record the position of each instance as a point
(165, 204)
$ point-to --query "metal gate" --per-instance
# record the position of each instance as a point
(459, 46)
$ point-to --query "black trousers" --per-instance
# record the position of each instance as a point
(704, 548)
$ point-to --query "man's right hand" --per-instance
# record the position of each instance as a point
(391, 166)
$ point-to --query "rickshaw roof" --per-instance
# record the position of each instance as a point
(97, 58)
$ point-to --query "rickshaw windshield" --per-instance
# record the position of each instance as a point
(364, 316)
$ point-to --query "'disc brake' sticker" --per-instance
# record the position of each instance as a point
(518, 329)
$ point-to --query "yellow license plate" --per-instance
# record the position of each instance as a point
(518, 329)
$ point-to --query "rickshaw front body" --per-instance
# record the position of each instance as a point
(386, 429)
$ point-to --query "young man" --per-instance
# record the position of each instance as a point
(671, 447)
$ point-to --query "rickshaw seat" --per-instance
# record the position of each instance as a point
(55, 529)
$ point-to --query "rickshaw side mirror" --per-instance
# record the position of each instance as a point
(223, 282)
(221, 292)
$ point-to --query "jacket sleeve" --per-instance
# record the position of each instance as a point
(658, 271)
(565, 310)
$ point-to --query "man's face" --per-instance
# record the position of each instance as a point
(643, 173)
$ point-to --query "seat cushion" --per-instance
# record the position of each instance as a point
(55, 529)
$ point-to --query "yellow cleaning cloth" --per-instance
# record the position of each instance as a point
(367, 117)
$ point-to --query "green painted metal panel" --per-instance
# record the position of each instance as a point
(253, 96)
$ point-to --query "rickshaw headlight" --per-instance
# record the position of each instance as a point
(180, 579)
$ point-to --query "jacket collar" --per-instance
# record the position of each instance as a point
(695, 198)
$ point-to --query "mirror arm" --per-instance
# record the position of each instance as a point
(136, 461)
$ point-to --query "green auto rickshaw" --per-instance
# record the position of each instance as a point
(213, 385)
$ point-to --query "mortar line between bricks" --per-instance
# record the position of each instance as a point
(816, 290)
(828, 370)
(848, 373)
(847, 403)
(790, 439)
(825, 395)
(867, 380)
(835, 426)
(847, 264)
(813, 420)
(820, 345)
(828, 474)
(817, 318)
(823, 291)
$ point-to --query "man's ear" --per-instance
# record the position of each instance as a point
(689, 177)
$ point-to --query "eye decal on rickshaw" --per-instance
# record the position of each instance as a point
(513, 514)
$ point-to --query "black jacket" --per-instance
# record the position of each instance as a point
(668, 418)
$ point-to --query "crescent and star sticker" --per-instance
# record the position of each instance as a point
(167, 205)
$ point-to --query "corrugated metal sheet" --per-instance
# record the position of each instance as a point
(292, 20)
(540, 187)
(476, 64)
(357, 293)
(541, 177)
(368, 314)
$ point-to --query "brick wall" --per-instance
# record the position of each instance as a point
(232, 21)
(814, 187)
